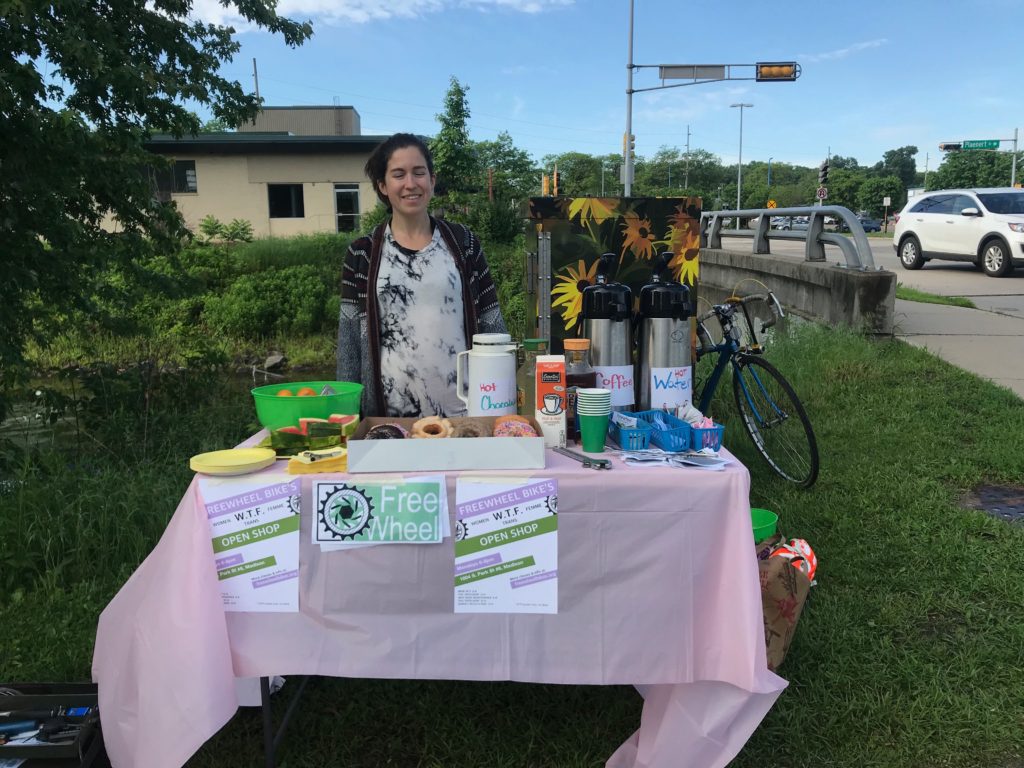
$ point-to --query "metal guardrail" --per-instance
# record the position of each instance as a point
(857, 251)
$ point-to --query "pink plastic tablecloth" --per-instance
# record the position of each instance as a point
(658, 587)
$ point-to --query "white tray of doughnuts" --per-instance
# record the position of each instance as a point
(414, 454)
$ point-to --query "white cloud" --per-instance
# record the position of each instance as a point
(363, 11)
(842, 53)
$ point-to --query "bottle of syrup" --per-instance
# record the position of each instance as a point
(578, 373)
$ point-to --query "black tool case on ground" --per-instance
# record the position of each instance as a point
(82, 752)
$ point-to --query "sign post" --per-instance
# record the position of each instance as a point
(886, 202)
(822, 193)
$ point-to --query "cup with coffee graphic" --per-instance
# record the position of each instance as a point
(552, 403)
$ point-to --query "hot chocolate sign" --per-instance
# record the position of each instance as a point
(496, 398)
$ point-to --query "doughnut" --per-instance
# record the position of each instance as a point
(469, 428)
(432, 426)
(511, 418)
(514, 429)
(386, 432)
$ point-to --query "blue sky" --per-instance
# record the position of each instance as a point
(552, 73)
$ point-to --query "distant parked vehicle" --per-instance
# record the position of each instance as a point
(982, 226)
(871, 225)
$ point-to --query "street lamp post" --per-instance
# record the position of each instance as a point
(739, 165)
(769, 178)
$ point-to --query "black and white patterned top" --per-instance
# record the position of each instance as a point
(422, 328)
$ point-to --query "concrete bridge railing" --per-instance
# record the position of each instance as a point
(853, 294)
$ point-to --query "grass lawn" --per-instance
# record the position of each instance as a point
(912, 294)
(910, 651)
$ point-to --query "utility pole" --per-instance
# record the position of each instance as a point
(255, 77)
(926, 171)
(686, 183)
(1013, 167)
(628, 154)
(739, 165)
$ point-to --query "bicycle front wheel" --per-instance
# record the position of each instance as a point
(775, 420)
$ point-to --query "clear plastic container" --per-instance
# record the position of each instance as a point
(526, 384)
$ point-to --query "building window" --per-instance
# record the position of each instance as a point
(285, 201)
(177, 178)
(346, 204)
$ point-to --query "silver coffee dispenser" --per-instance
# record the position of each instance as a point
(664, 376)
(607, 321)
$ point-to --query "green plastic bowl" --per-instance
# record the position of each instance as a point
(275, 411)
(764, 521)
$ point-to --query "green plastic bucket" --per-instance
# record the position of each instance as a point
(764, 521)
(275, 411)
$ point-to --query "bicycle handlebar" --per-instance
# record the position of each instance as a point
(726, 310)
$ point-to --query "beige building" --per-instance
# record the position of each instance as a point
(291, 172)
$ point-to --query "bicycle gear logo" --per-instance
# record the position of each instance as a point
(461, 531)
(552, 504)
(343, 511)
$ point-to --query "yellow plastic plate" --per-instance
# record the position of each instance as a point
(234, 461)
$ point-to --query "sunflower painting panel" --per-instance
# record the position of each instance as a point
(635, 229)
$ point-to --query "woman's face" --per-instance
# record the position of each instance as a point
(408, 183)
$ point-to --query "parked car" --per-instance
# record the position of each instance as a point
(982, 226)
(870, 225)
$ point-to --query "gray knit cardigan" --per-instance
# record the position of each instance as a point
(359, 318)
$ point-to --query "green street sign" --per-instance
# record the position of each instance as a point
(982, 144)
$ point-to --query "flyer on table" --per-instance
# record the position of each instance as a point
(506, 545)
(255, 536)
(393, 509)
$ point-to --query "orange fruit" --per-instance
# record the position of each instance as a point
(306, 392)
(284, 393)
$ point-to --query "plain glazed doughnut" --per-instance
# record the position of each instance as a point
(432, 426)
(514, 429)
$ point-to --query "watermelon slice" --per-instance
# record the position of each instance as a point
(290, 430)
(348, 422)
(305, 422)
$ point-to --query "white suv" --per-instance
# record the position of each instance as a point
(983, 226)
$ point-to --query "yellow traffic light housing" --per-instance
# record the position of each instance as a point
(776, 71)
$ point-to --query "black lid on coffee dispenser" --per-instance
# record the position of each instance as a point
(604, 300)
(663, 297)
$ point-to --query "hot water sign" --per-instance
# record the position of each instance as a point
(671, 387)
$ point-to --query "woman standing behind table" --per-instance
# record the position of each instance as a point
(413, 293)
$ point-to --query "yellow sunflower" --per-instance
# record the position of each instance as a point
(637, 237)
(684, 242)
(591, 209)
(569, 290)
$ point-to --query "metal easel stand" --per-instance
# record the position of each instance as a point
(271, 740)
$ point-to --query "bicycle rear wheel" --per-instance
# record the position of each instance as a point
(775, 420)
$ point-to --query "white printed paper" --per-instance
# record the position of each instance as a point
(506, 546)
(618, 379)
(671, 388)
(254, 529)
(380, 510)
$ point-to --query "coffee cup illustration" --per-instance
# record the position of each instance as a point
(552, 404)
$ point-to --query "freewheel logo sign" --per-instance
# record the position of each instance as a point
(398, 512)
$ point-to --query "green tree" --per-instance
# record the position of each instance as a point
(874, 190)
(215, 125)
(846, 163)
(963, 170)
(579, 173)
(454, 161)
(81, 86)
(515, 175)
(844, 188)
(899, 163)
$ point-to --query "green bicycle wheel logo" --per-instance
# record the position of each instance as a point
(344, 511)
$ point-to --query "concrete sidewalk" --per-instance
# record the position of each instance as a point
(989, 344)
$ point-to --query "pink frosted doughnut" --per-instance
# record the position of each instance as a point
(514, 429)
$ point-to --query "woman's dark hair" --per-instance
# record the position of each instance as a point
(377, 166)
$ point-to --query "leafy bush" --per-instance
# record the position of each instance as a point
(290, 300)
(238, 231)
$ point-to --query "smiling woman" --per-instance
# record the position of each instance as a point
(413, 293)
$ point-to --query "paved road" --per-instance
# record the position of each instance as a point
(988, 341)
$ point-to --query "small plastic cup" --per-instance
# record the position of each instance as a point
(593, 430)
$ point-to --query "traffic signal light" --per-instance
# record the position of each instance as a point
(776, 71)
(630, 141)
(556, 177)
(823, 173)
(544, 185)
(951, 146)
